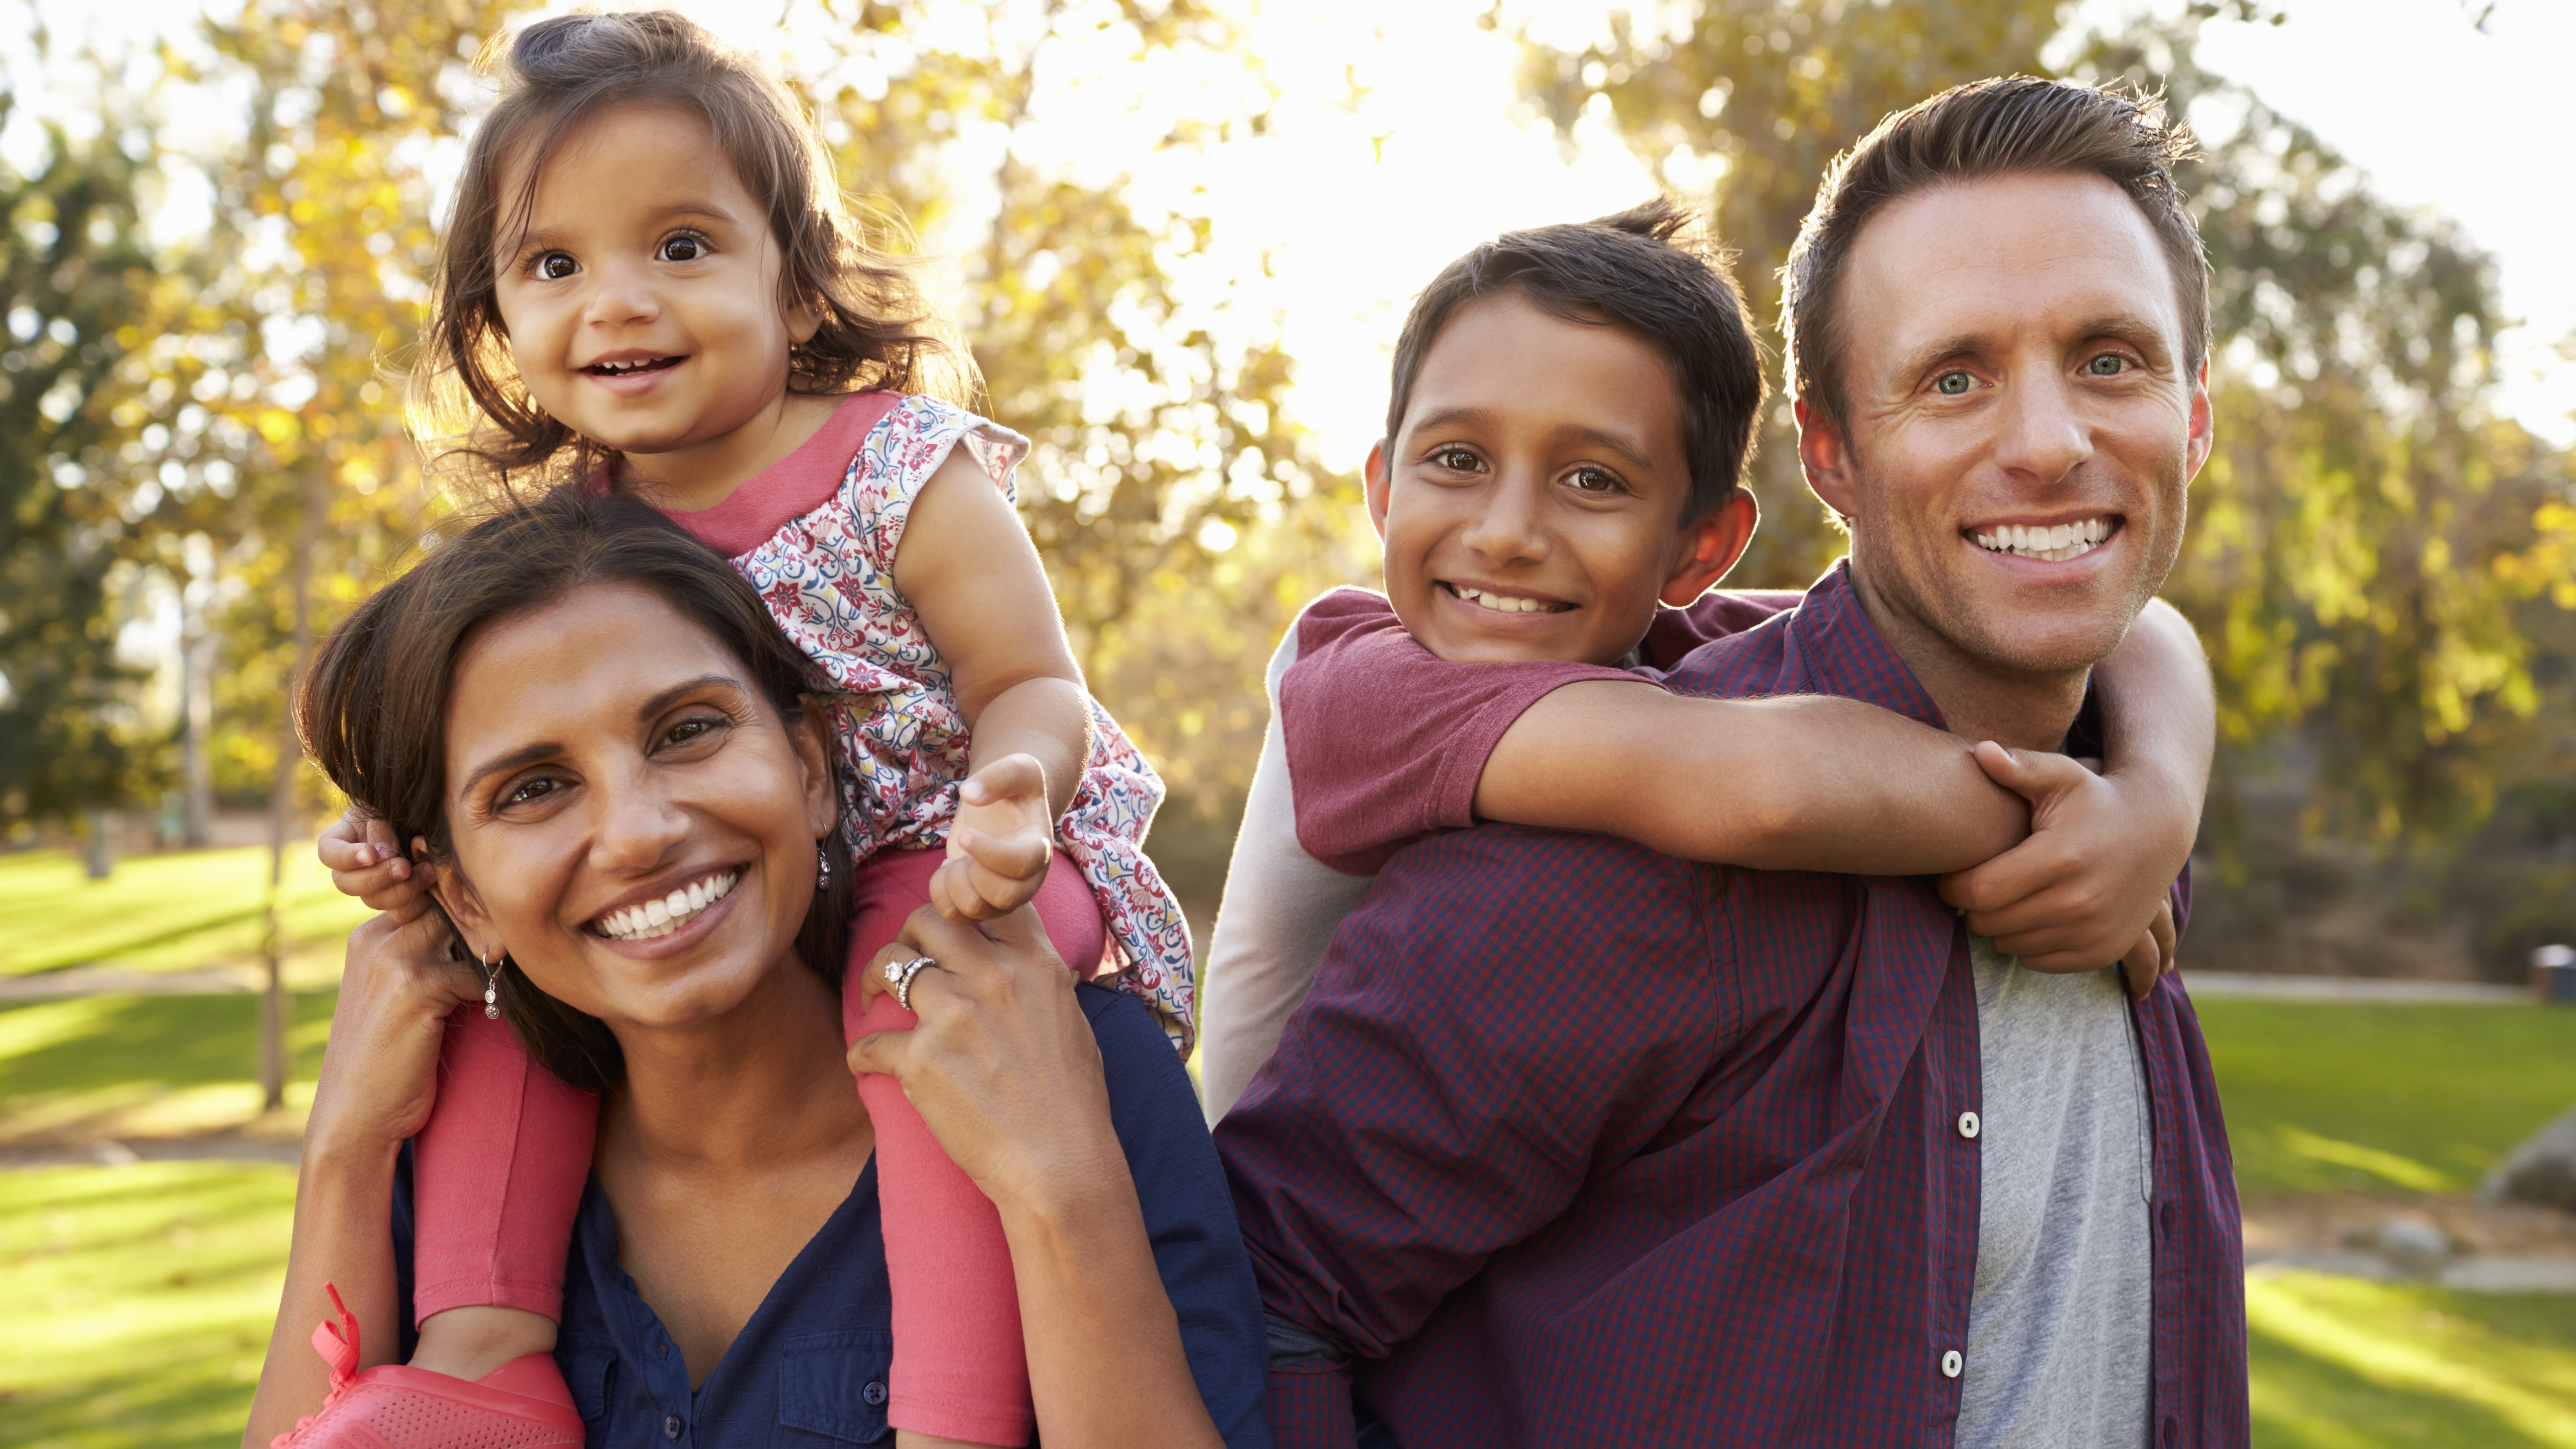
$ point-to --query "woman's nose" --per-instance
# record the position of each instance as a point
(637, 829)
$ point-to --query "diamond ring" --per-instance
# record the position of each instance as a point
(899, 974)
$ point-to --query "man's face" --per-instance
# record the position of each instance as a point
(2019, 429)
(1531, 507)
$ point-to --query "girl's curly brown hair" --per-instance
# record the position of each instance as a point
(469, 405)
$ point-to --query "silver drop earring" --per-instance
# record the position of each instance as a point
(822, 868)
(492, 984)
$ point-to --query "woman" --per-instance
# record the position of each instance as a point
(577, 709)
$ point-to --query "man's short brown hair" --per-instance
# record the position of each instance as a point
(1985, 128)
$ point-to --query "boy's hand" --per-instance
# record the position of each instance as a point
(2153, 957)
(998, 849)
(364, 861)
(2080, 893)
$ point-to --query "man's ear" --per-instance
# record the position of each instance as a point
(1825, 455)
(813, 740)
(1374, 481)
(1713, 545)
(2204, 428)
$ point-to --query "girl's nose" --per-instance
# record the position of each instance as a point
(621, 296)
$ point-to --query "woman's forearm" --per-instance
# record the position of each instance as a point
(1046, 718)
(1087, 1277)
(343, 1237)
(1800, 782)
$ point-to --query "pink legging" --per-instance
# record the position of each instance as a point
(507, 1148)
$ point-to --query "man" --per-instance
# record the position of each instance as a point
(1576, 1144)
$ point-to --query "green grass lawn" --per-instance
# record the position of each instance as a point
(172, 911)
(140, 1297)
(2408, 1098)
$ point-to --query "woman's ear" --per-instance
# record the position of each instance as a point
(464, 905)
(812, 737)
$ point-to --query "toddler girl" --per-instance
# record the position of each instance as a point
(650, 281)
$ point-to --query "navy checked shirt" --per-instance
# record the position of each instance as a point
(1574, 1143)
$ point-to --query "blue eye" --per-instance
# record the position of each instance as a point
(2109, 364)
(1953, 383)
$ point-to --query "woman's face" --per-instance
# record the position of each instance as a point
(632, 822)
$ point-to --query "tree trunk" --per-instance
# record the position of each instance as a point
(197, 705)
(276, 1007)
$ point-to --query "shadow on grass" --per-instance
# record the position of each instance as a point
(2345, 1364)
(66, 1063)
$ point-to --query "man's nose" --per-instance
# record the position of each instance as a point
(1510, 527)
(2044, 437)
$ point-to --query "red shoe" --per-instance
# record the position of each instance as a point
(523, 1404)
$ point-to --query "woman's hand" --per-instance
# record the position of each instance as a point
(2085, 890)
(1003, 1066)
(380, 1072)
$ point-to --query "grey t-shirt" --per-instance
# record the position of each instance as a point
(2060, 1316)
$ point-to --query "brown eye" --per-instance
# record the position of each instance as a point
(1456, 460)
(1593, 480)
(683, 248)
(529, 791)
(555, 266)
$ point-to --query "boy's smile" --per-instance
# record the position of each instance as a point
(1531, 507)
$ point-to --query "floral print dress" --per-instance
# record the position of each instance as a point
(828, 578)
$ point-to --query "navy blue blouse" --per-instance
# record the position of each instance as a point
(809, 1369)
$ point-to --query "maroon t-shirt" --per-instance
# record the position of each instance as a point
(1386, 740)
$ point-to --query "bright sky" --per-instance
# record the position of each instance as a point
(1397, 142)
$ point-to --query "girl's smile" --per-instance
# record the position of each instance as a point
(642, 297)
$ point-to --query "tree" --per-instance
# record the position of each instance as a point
(75, 272)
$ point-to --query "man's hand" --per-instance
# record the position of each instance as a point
(2081, 892)
(999, 846)
(364, 861)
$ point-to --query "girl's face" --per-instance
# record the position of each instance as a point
(632, 823)
(641, 298)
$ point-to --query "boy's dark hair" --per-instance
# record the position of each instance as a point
(373, 708)
(878, 330)
(1642, 272)
(1988, 128)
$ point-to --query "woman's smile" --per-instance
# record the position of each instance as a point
(659, 917)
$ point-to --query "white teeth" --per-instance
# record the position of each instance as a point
(662, 917)
(1499, 603)
(2055, 544)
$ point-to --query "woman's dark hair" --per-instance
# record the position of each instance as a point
(878, 330)
(1642, 272)
(373, 709)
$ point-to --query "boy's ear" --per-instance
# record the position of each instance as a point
(1712, 546)
(1374, 481)
(1825, 455)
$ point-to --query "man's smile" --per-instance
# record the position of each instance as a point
(2052, 543)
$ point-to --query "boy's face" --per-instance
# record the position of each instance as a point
(1532, 505)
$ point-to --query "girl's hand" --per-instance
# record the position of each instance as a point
(364, 861)
(999, 846)
(380, 1072)
(1003, 1066)
(2084, 890)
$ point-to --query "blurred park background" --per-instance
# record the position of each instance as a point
(1180, 235)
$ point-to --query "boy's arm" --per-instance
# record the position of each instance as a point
(1280, 910)
(2102, 859)
(1798, 782)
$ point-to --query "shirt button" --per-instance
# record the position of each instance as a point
(1951, 1363)
(1968, 1124)
(671, 1422)
(874, 1393)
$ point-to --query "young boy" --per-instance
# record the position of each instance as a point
(1557, 489)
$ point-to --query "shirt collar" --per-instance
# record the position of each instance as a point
(1834, 648)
